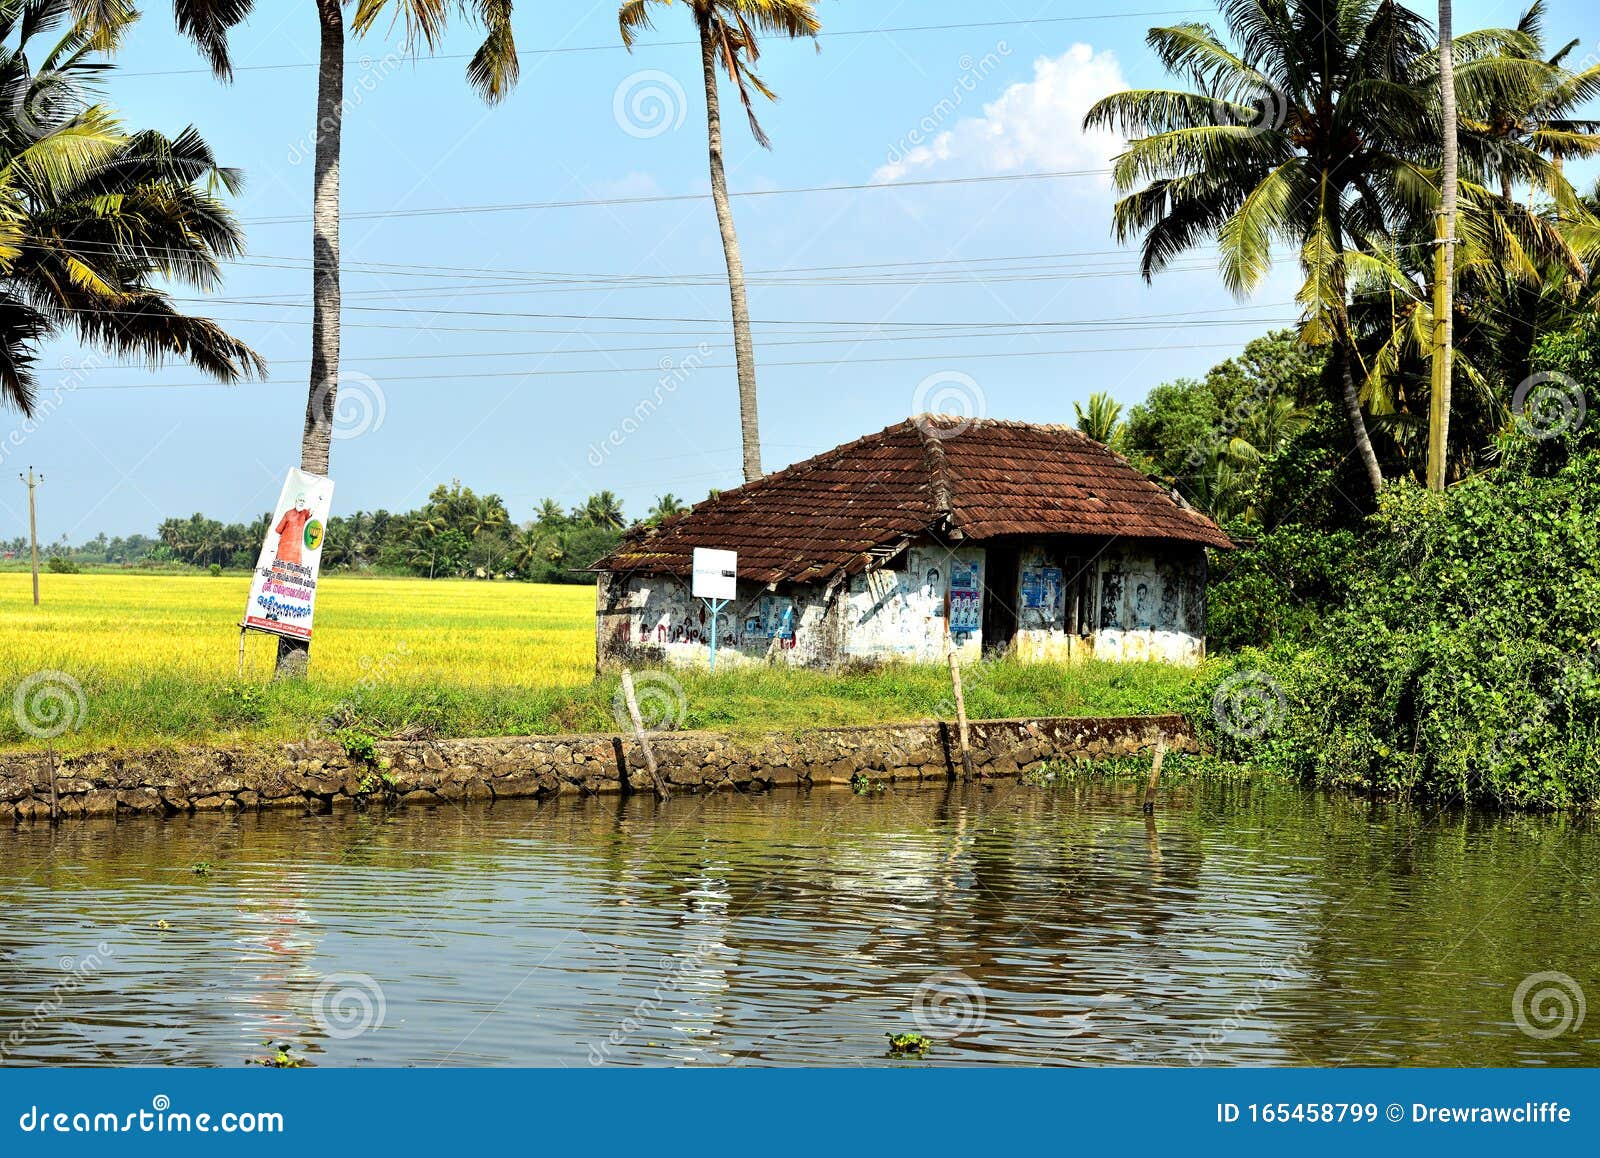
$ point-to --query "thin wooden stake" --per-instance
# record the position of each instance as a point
(55, 798)
(639, 734)
(241, 653)
(1155, 777)
(961, 718)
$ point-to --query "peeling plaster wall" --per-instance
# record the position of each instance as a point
(901, 612)
(1152, 606)
(1119, 602)
(1129, 603)
(656, 616)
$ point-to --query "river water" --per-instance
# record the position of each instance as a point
(1011, 924)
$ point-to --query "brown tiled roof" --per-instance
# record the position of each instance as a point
(963, 478)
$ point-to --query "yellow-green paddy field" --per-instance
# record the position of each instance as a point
(137, 659)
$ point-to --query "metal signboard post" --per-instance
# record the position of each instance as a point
(716, 584)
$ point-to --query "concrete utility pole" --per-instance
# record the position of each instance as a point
(33, 527)
(1444, 263)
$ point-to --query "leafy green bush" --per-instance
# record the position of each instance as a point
(1277, 586)
(59, 565)
(1463, 664)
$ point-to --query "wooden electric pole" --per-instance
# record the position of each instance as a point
(33, 527)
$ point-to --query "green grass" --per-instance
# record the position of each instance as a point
(155, 657)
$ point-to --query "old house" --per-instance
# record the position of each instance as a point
(936, 533)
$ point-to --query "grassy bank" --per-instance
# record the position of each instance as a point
(156, 658)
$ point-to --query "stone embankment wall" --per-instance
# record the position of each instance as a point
(320, 776)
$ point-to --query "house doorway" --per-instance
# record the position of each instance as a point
(1000, 567)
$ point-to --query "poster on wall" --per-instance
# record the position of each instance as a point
(1041, 588)
(283, 592)
(966, 598)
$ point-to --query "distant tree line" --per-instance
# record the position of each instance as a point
(456, 533)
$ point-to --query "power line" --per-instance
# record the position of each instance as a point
(529, 54)
(1087, 326)
(679, 320)
(657, 369)
(596, 202)
(564, 277)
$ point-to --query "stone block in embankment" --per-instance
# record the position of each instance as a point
(319, 775)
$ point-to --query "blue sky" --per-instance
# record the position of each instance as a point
(510, 349)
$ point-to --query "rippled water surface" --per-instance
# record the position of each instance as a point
(1011, 924)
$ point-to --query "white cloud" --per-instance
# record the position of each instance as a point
(1035, 124)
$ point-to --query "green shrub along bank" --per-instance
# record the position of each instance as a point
(1459, 662)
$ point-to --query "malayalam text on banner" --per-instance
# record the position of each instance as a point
(284, 590)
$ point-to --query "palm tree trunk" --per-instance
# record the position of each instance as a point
(295, 655)
(1444, 264)
(1352, 409)
(1344, 343)
(743, 350)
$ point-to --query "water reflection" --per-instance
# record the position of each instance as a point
(1016, 924)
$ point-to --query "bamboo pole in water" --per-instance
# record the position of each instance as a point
(641, 736)
(55, 796)
(1155, 777)
(961, 717)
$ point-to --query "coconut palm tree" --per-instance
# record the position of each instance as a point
(488, 516)
(550, 514)
(1518, 273)
(603, 510)
(1540, 118)
(667, 506)
(729, 32)
(92, 216)
(527, 551)
(1103, 418)
(492, 71)
(1322, 129)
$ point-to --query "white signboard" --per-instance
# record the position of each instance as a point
(284, 589)
(715, 574)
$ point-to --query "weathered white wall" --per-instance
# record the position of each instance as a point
(1152, 607)
(900, 612)
(1145, 605)
(660, 613)
(1142, 605)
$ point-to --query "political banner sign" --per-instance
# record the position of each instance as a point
(284, 590)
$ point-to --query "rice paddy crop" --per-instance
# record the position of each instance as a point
(151, 659)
